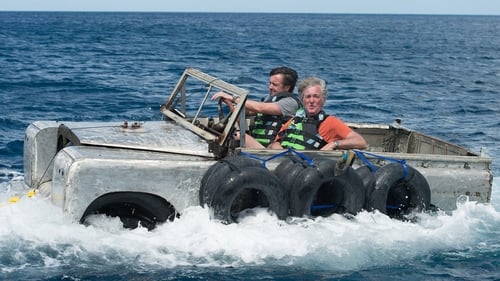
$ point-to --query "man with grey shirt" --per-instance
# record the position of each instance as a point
(275, 109)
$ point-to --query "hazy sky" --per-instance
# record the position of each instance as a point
(472, 7)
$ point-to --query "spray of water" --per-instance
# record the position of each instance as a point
(35, 233)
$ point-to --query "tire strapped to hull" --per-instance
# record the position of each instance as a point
(234, 185)
(288, 170)
(398, 190)
(367, 176)
(318, 192)
(220, 170)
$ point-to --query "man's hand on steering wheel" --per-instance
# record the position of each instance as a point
(228, 100)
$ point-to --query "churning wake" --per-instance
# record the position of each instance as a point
(36, 234)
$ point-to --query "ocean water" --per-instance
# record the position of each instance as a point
(439, 74)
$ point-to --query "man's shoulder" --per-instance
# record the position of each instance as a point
(285, 98)
(288, 107)
(334, 122)
(282, 95)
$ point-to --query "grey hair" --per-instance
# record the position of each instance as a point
(310, 82)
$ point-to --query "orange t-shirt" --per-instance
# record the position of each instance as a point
(333, 129)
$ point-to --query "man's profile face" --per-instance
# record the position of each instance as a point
(276, 84)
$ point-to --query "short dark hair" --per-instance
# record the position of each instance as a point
(290, 76)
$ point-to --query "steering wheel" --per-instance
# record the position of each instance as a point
(223, 119)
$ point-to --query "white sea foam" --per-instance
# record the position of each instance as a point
(36, 233)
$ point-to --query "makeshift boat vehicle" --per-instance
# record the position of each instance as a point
(147, 173)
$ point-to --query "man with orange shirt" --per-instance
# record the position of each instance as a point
(312, 128)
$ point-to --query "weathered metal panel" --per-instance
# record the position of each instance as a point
(40, 143)
(447, 185)
(83, 174)
(152, 136)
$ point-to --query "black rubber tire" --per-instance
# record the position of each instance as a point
(368, 178)
(246, 189)
(325, 166)
(395, 196)
(288, 170)
(318, 186)
(133, 209)
(221, 169)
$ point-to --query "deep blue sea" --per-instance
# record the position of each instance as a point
(439, 74)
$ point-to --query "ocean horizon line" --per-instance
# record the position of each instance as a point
(247, 12)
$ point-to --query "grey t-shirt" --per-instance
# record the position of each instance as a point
(287, 105)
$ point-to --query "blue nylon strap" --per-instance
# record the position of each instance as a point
(405, 169)
(310, 162)
(315, 208)
(263, 161)
(363, 158)
(361, 155)
(302, 156)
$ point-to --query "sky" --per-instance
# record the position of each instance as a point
(457, 7)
